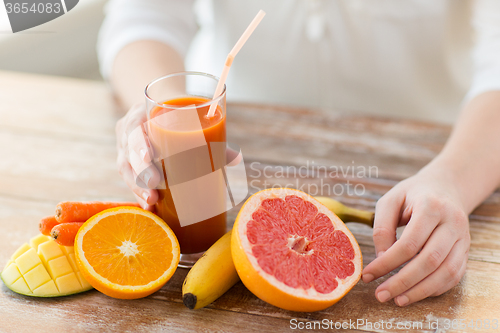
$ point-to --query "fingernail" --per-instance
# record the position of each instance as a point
(383, 296)
(144, 155)
(402, 300)
(145, 196)
(367, 278)
(380, 253)
(147, 176)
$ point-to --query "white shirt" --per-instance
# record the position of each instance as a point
(406, 58)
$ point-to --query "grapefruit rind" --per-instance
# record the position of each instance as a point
(106, 286)
(266, 286)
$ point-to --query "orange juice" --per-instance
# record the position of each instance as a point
(197, 237)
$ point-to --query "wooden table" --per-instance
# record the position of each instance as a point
(57, 143)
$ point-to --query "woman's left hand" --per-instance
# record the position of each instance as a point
(435, 243)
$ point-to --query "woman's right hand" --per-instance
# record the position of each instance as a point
(135, 157)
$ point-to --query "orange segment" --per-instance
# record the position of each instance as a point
(126, 252)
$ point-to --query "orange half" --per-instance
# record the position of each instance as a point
(126, 252)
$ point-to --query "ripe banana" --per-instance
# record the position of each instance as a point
(347, 214)
(214, 273)
(211, 276)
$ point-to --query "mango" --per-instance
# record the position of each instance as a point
(44, 268)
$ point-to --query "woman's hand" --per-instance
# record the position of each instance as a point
(134, 157)
(435, 242)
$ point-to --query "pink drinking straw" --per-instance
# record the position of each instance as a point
(230, 57)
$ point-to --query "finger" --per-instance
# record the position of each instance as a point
(148, 174)
(464, 244)
(451, 271)
(405, 216)
(148, 195)
(412, 240)
(431, 257)
(153, 195)
(233, 157)
(144, 204)
(452, 283)
(136, 116)
(134, 134)
(387, 215)
(122, 126)
(138, 142)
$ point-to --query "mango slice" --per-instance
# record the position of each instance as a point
(44, 268)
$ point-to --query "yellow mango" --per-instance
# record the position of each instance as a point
(21, 287)
(37, 240)
(44, 268)
(11, 273)
(48, 288)
(37, 277)
(68, 283)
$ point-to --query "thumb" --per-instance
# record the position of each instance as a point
(387, 215)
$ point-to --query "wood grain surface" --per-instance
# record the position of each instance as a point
(57, 143)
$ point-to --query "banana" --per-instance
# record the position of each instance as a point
(211, 276)
(347, 214)
(214, 273)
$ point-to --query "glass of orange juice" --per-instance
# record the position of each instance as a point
(189, 152)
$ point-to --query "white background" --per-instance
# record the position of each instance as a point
(65, 46)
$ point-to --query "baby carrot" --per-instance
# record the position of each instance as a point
(75, 211)
(65, 233)
(46, 224)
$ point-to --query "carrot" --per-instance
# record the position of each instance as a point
(46, 224)
(75, 211)
(65, 233)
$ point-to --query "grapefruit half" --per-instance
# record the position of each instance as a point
(293, 252)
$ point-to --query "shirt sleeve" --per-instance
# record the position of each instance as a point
(486, 54)
(169, 21)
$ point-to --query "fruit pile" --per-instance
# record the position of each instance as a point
(71, 215)
(47, 267)
(288, 248)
